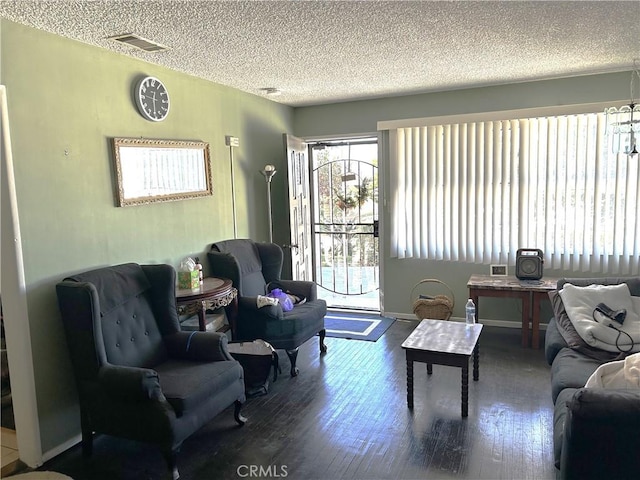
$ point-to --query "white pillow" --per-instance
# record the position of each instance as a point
(635, 301)
(580, 302)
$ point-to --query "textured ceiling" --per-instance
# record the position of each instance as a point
(319, 52)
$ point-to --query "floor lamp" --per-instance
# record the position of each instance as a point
(268, 172)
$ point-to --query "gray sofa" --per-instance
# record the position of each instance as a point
(596, 431)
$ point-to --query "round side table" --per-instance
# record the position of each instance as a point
(219, 291)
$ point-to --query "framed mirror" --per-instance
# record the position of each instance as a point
(150, 171)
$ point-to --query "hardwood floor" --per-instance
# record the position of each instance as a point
(345, 417)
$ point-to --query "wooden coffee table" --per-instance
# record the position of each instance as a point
(443, 343)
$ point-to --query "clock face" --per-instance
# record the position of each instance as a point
(152, 99)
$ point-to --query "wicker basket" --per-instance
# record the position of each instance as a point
(437, 307)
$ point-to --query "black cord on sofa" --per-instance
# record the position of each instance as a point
(620, 332)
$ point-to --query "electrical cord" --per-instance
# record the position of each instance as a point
(620, 332)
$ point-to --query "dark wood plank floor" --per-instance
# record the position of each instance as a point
(345, 417)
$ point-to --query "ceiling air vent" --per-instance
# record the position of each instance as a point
(139, 42)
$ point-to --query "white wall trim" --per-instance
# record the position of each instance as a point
(63, 447)
(14, 309)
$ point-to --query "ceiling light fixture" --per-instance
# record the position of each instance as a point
(271, 91)
(623, 124)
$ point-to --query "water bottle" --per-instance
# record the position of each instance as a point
(200, 271)
(470, 311)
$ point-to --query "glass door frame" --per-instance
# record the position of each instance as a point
(358, 193)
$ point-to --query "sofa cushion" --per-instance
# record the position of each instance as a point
(559, 417)
(600, 437)
(570, 369)
(303, 317)
(553, 341)
(614, 408)
(186, 384)
(298, 325)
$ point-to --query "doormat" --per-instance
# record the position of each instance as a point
(355, 326)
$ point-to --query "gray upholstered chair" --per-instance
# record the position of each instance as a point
(138, 375)
(254, 268)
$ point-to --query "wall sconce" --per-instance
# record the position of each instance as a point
(269, 171)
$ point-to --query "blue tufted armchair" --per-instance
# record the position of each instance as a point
(138, 375)
(254, 268)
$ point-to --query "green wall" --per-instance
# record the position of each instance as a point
(66, 101)
(399, 276)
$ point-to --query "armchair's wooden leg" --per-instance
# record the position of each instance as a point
(87, 435)
(276, 365)
(293, 356)
(171, 457)
(322, 333)
(236, 413)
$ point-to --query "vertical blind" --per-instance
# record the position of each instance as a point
(476, 192)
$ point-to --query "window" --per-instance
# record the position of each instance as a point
(476, 192)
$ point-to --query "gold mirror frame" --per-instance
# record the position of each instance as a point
(149, 171)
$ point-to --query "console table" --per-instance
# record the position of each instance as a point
(219, 291)
(530, 292)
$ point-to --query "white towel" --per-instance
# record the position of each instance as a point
(580, 302)
(263, 301)
(620, 374)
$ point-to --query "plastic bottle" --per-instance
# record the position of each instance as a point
(200, 271)
(470, 311)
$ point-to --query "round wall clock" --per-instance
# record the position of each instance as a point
(152, 99)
